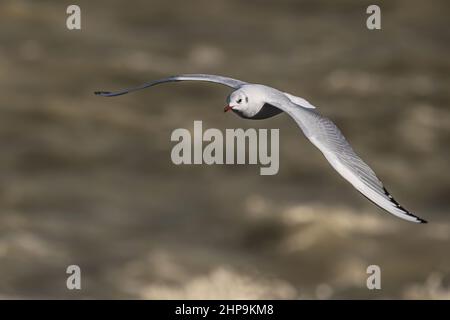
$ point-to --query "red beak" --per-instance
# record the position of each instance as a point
(227, 108)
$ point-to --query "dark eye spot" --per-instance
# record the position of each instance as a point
(239, 100)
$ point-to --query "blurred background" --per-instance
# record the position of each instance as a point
(88, 180)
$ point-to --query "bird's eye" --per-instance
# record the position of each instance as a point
(239, 100)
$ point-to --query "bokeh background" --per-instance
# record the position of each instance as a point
(88, 180)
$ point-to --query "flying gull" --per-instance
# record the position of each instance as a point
(256, 101)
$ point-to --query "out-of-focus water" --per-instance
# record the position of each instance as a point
(88, 180)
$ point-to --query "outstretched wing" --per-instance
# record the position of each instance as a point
(324, 134)
(233, 83)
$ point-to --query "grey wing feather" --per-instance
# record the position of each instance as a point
(326, 136)
(230, 82)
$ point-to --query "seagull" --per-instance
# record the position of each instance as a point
(256, 101)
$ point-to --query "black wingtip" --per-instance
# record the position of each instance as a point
(102, 93)
(109, 94)
(419, 220)
(422, 221)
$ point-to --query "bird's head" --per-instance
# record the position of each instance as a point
(237, 101)
(251, 102)
(243, 103)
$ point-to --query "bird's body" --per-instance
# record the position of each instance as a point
(256, 101)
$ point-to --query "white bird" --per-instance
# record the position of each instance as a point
(256, 101)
